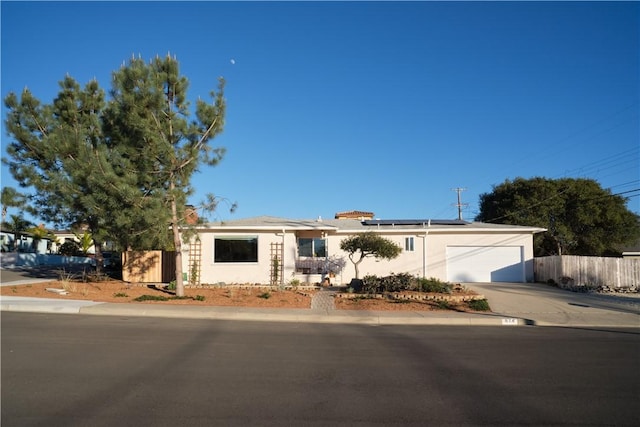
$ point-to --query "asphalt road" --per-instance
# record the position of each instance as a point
(19, 274)
(75, 370)
(30, 274)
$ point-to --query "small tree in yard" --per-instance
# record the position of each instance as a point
(368, 244)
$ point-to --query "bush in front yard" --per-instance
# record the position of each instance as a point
(403, 282)
(393, 283)
(479, 305)
(434, 285)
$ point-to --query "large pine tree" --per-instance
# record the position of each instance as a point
(121, 167)
(149, 114)
(56, 151)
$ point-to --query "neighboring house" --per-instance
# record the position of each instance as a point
(631, 251)
(23, 242)
(361, 215)
(276, 250)
(68, 235)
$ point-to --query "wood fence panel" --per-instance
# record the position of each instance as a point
(168, 266)
(591, 272)
(142, 266)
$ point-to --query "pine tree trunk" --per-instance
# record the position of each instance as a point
(177, 243)
(98, 257)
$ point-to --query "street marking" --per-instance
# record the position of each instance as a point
(510, 321)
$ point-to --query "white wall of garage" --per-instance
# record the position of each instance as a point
(485, 264)
(494, 262)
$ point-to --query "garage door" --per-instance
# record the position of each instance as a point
(485, 264)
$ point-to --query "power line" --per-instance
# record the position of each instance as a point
(460, 205)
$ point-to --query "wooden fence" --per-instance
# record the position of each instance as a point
(148, 266)
(589, 272)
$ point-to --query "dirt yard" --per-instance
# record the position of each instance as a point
(121, 292)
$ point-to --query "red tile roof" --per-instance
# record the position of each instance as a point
(354, 215)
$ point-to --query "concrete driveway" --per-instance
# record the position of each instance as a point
(544, 304)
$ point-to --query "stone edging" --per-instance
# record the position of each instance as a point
(414, 297)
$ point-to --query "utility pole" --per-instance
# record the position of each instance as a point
(460, 205)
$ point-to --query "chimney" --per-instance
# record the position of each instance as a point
(191, 215)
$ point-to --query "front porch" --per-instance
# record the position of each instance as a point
(317, 270)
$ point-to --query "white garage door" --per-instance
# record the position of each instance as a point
(485, 264)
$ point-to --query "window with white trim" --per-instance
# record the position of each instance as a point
(408, 244)
(316, 248)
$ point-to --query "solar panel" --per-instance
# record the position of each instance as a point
(424, 222)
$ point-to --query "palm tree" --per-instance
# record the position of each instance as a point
(86, 241)
(9, 197)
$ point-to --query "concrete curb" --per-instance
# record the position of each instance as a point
(299, 316)
(578, 320)
(55, 306)
(43, 305)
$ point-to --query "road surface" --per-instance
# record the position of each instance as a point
(76, 370)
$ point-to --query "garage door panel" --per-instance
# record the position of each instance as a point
(509, 273)
(485, 264)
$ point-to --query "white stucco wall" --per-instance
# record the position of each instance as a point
(436, 245)
(243, 272)
(437, 248)
(434, 265)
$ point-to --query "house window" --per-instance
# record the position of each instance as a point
(235, 249)
(316, 248)
(408, 244)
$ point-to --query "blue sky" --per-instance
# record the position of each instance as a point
(375, 106)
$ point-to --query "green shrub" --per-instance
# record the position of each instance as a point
(163, 298)
(151, 298)
(397, 283)
(434, 285)
(69, 248)
(369, 284)
(265, 295)
(120, 295)
(394, 283)
(479, 305)
(443, 304)
(400, 282)
(295, 282)
(172, 285)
